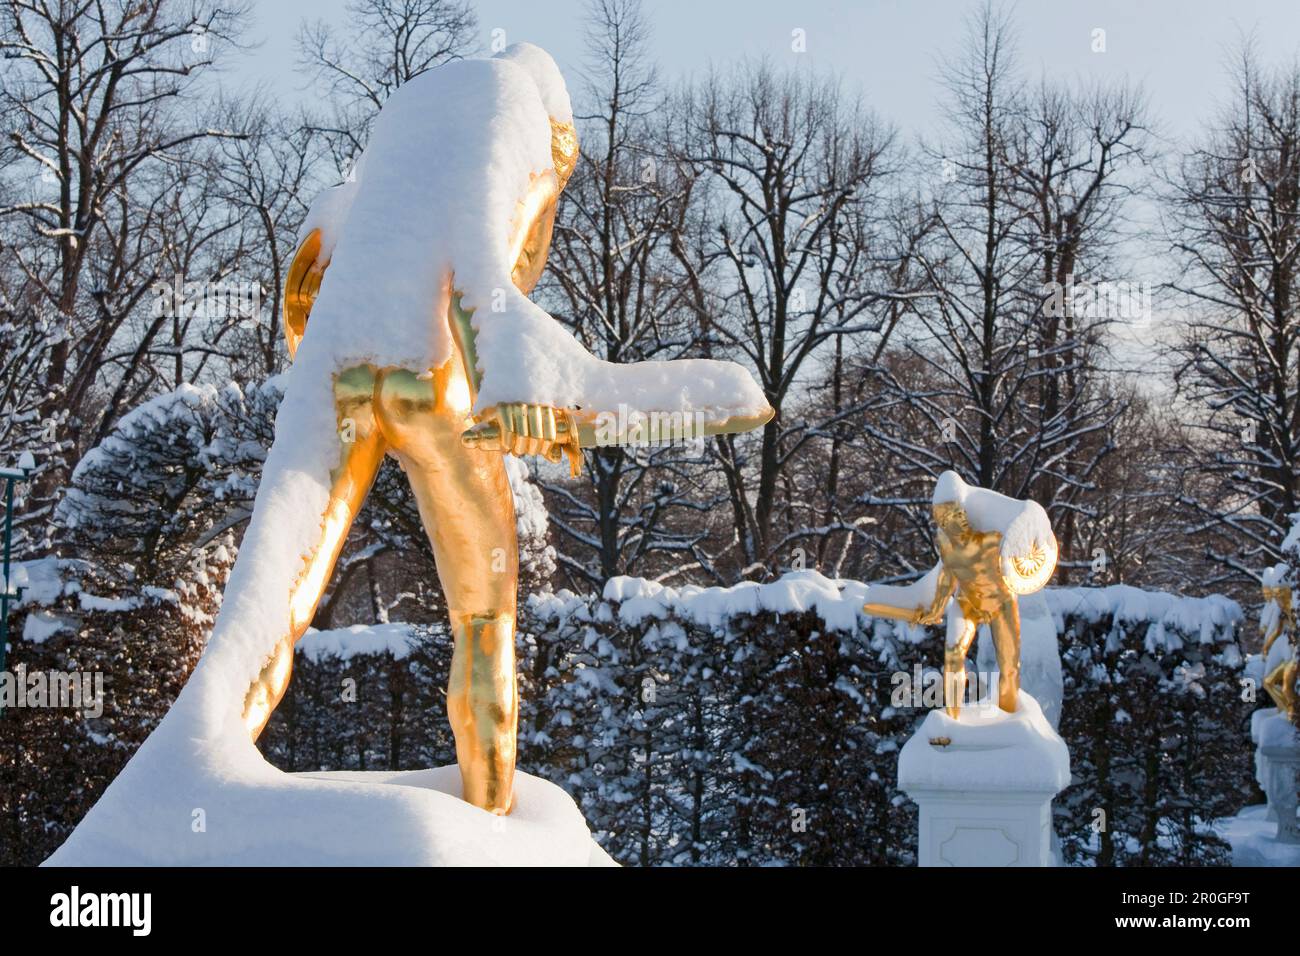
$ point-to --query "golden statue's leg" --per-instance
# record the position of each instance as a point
(1280, 685)
(1006, 641)
(361, 452)
(482, 705)
(468, 512)
(1291, 689)
(961, 632)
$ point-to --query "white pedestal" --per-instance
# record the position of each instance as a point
(984, 784)
(1257, 720)
(1278, 761)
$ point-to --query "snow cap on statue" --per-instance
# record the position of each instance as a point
(1274, 576)
(1029, 548)
(550, 83)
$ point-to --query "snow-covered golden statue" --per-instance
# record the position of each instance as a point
(1281, 651)
(991, 549)
(412, 335)
(423, 344)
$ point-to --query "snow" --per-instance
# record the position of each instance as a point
(920, 593)
(1275, 732)
(161, 407)
(329, 211)
(1257, 719)
(1291, 543)
(1253, 838)
(990, 749)
(342, 818)
(43, 585)
(360, 639)
(837, 603)
(44, 580)
(91, 602)
(417, 229)
(1172, 617)
(1253, 832)
(1274, 576)
(550, 82)
(40, 626)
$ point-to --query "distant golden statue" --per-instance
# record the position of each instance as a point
(1278, 622)
(991, 549)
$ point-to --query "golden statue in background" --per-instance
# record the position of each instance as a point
(1281, 681)
(976, 582)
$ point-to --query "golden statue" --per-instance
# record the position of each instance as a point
(424, 416)
(1278, 621)
(991, 549)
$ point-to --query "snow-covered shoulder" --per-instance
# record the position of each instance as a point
(428, 211)
(550, 82)
(1021, 522)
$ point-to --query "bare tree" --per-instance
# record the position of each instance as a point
(1003, 374)
(1234, 223)
(93, 99)
(1072, 158)
(384, 44)
(795, 170)
(612, 280)
(267, 180)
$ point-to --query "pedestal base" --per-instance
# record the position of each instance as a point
(342, 818)
(984, 784)
(1279, 765)
(1254, 840)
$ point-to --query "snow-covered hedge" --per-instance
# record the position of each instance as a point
(1155, 718)
(760, 723)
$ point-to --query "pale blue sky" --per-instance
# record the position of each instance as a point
(890, 52)
(887, 49)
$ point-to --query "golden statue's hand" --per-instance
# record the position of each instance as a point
(519, 428)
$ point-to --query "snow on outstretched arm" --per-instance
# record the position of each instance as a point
(922, 601)
(437, 198)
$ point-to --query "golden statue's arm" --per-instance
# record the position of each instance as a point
(300, 288)
(944, 587)
(521, 428)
